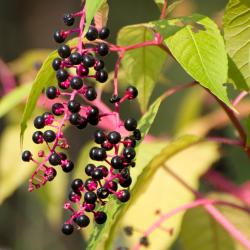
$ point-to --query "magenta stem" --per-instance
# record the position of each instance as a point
(240, 97)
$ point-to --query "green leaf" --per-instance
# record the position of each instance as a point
(248, 130)
(196, 43)
(235, 76)
(112, 208)
(13, 98)
(45, 77)
(92, 6)
(236, 23)
(164, 192)
(143, 65)
(200, 231)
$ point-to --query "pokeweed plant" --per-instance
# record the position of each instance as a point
(69, 76)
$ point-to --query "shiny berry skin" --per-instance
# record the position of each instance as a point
(89, 169)
(74, 119)
(129, 142)
(68, 19)
(97, 174)
(90, 94)
(102, 49)
(92, 34)
(64, 51)
(98, 154)
(130, 124)
(74, 196)
(125, 182)
(90, 197)
(100, 136)
(137, 134)
(101, 76)
(99, 65)
(82, 123)
(76, 83)
(57, 109)
(114, 99)
(77, 185)
(93, 112)
(123, 195)
(51, 175)
(56, 64)
(37, 137)
(67, 229)
(117, 162)
(62, 75)
(100, 217)
(82, 221)
(102, 193)
(75, 58)
(39, 122)
(58, 37)
(89, 207)
(114, 137)
(104, 33)
(129, 153)
(90, 184)
(104, 170)
(51, 92)
(93, 121)
(54, 159)
(73, 106)
(132, 92)
(112, 185)
(49, 136)
(88, 61)
(62, 156)
(68, 167)
(107, 145)
(125, 173)
(26, 156)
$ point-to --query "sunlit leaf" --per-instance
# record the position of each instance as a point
(196, 43)
(201, 231)
(236, 23)
(143, 65)
(164, 193)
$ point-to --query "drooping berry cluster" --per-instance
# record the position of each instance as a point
(115, 152)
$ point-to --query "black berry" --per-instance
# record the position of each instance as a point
(89, 169)
(54, 159)
(123, 195)
(64, 51)
(129, 153)
(104, 33)
(67, 229)
(51, 92)
(74, 106)
(132, 92)
(62, 75)
(88, 61)
(57, 109)
(130, 124)
(82, 221)
(101, 76)
(92, 34)
(100, 136)
(97, 174)
(68, 167)
(99, 65)
(58, 37)
(76, 83)
(100, 217)
(56, 64)
(37, 137)
(114, 137)
(39, 122)
(75, 58)
(90, 197)
(117, 162)
(76, 185)
(26, 156)
(90, 94)
(68, 19)
(49, 136)
(102, 193)
(102, 49)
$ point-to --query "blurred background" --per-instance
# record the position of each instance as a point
(28, 25)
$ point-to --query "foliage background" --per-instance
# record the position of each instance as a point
(24, 25)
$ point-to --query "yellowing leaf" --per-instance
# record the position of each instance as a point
(164, 193)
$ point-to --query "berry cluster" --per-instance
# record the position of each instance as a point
(115, 153)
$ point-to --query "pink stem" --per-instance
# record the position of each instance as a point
(81, 26)
(175, 211)
(164, 9)
(227, 141)
(239, 97)
(219, 217)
